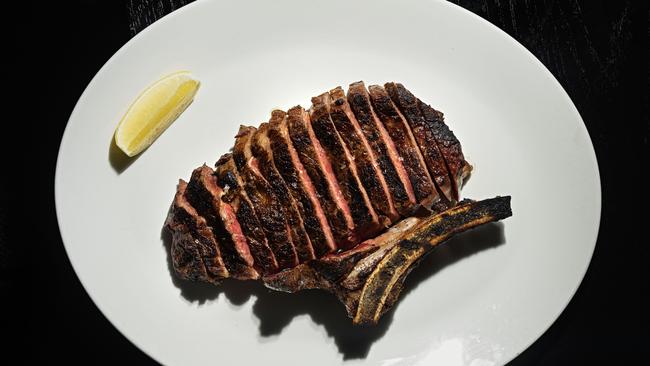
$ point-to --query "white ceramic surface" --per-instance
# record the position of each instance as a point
(466, 306)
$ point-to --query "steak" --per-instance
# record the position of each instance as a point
(261, 149)
(195, 253)
(204, 195)
(345, 197)
(405, 145)
(459, 169)
(383, 148)
(407, 103)
(370, 175)
(302, 190)
(366, 222)
(234, 194)
(269, 208)
(319, 170)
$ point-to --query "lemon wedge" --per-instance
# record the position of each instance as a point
(155, 109)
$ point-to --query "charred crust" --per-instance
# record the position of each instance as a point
(302, 143)
(408, 245)
(264, 257)
(328, 137)
(398, 131)
(287, 170)
(223, 159)
(365, 169)
(186, 257)
(269, 211)
(407, 103)
(261, 149)
(448, 145)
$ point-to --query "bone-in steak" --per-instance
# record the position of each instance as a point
(346, 197)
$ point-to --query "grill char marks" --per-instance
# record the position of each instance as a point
(407, 103)
(383, 148)
(459, 169)
(288, 164)
(261, 149)
(228, 179)
(369, 174)
(205, 196)
(269, 209)
(195, 254)
(366, 222)
(405, 144)
(319, 170)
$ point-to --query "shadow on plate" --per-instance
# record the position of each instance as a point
(118, 159)
(276, 310)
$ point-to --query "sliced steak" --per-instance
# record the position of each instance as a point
(383, 148)
(407, 104)
(261, 149)
(405, 144)
(228, 179)
(268, 207)
(459, 169)
(204, 195)
(294, 174)
(370, 175)
(194, 251)
(366, 222)
(319, 170)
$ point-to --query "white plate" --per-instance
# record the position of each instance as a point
(481, 300)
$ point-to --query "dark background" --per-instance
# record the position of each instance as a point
(598, 50)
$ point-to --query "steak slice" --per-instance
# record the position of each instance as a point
(407, 103)
(383, 148)
(405, 144)
(228, 179)
(319, 170)
(195, 254)
(268, 207)
(370, 175)
(204, 195)
(366, 222)
(459, 169)
(294, 174)
(261, 149)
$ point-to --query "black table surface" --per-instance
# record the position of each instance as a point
(598, 50)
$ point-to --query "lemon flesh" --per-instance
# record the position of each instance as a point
(153, 111)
